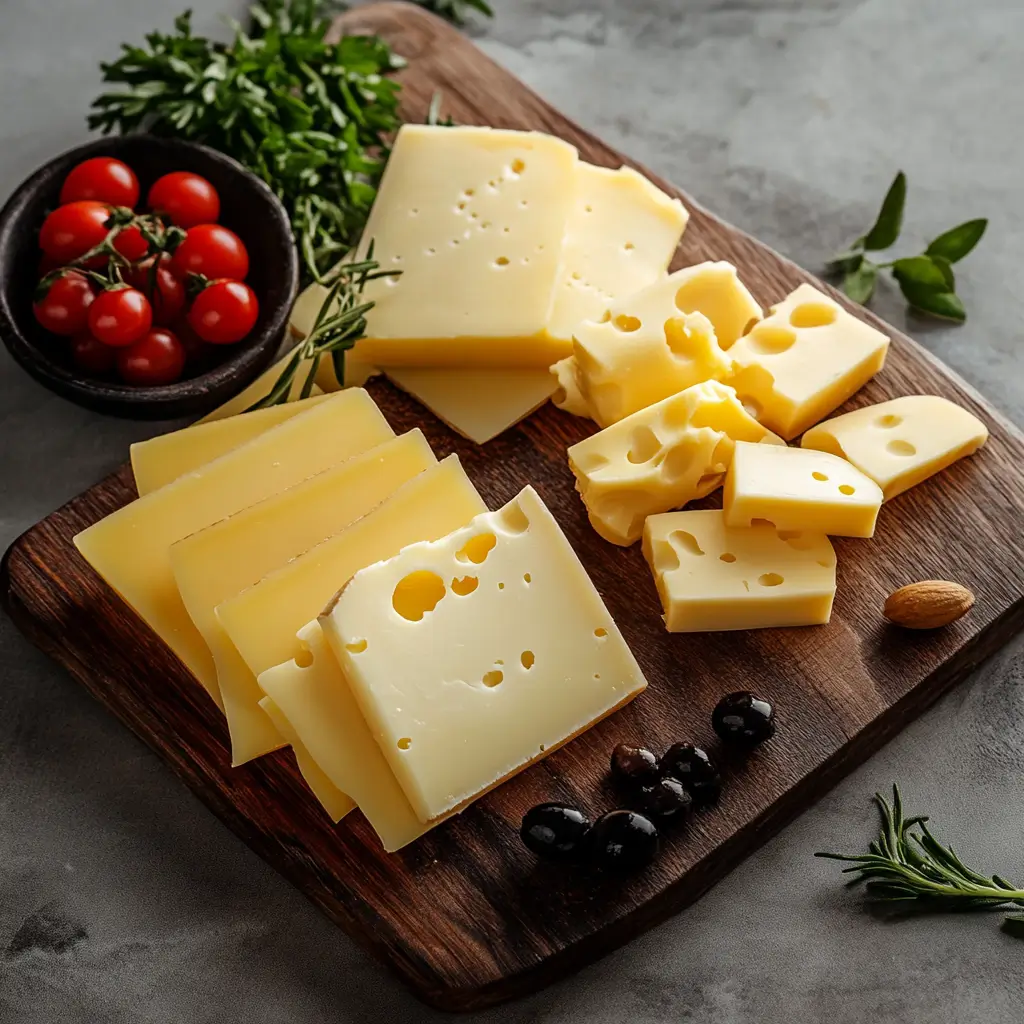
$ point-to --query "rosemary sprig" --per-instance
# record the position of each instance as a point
(915, 872)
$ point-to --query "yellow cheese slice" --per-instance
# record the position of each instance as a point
(714, 577)
(260, 388)
(221, 561)
(130, 549)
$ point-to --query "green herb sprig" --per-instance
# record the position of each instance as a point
(927, 281)
(913, 871)
(457, 11)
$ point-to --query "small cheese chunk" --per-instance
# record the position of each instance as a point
(660, 458)
(900, 443)
(713, 577)
(804, 360)
(621, 371)
(799, 489)
(567, 396)
(476, 655)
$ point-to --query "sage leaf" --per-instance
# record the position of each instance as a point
(845, 262)
(957, 242)
(859, 284)
(922, 271)
(886, 228)
(944, 304)
(1014, 925)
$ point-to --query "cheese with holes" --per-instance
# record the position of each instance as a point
(804, 360)
(567, 394)
(660, 458)
(903, 442)
(164, 458)
(224, 559)
(714, 577)
(473, 656)
(316, 699)
(260, 388)
(262, 622)
(621, 372)
(130, 548)
(799, 489)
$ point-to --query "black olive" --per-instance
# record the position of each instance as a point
(636, 766)
(744, 719)
(623, 841)
(695, 770)
(667, 801)
(554, 831)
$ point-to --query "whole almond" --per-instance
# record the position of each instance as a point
(928, 604)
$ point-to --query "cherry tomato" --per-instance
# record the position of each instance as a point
(64, 309)
(185, 198)
(168, 299)
(73, 229)
(224, 312)
(197, 351)
(156, 358)
(120, 316)
(211, 250)
(104, 179)
(91, 354)
(130, 243)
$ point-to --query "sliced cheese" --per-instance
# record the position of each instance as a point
(130, 548)
(477, 654)
(799, 489)
(900, 443)
(660, 458)
(804, 360)
(260, 388)
(224, 559)
(714, 577)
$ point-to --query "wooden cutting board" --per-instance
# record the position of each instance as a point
(465, 916)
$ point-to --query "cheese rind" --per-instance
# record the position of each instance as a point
(899, 444)
(475, 655)
(660, 458)
(799, 489)
(714, 577)
(803, 360)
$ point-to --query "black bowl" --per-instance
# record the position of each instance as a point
(248, 207)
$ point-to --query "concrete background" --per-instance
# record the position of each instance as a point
(123, 900)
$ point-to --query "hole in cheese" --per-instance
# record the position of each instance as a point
(600, 632)
(813, 314)
(404, 743)
(889, 421)
(762, 522)
(900, 448)
(770, 340)
(685, 541)
(501, 261)
(588, 209)
(418, 593)
(304, 658)
(356, 647)
(643, 445)
(770, 579)
(527, 578)
(493, 678)
(678, 463)
(501, 586)
(477, 548)
(846, 489)
(512, 519)
(518, 166)
(728, 556)
(605, 317)
(629, 247)
(788, 535)
(626, 324)
(527, 659)
(750, 325)
(665, 557)
(464, 585)
(819, 476)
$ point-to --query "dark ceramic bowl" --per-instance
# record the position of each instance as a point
(248, 207)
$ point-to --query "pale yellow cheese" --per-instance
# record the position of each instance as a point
(260, 388)
(130, 549)
(224, 559)
(164, 458)
(714, 577)
(804, 360)
(799, 489)
(477, 654)
(660, 458)
(262, 622)
(567, 395)
(903, 442)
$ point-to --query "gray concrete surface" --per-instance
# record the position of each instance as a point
(123, 900)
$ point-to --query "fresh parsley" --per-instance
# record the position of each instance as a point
(456, 11)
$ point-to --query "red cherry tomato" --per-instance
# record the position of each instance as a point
(196, 350)
(64, 309)
(92, 355)
(211, 250)
(120, 316)
(168, 299)
(185, 198)
(224, 312)
(156, 358)
(73, 230)
(104, 179)
(130, 243)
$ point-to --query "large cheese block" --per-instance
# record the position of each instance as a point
(130, 548)
(224, 559)
(477, 654)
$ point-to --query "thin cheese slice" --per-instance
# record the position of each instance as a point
(478, 654)
(130, 549)
(221, 561)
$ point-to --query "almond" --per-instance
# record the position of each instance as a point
(928, 604)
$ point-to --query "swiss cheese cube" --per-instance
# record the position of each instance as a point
(799, 489)
(660, 458)
(476, 655)
(567, 394)
(900, 443)
(803, 360)
(714, 577)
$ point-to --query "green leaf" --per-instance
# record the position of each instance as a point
(859, 284)
(845, 262)
(886, 228)
(957, 242)
(1014, 925)
(944, 304)
(922, 271)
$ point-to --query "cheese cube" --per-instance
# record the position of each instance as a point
(714, 577)
(660, 458)
(476, 655)
(903, 442)
(567, 395)
(799, 489)
(804, 360)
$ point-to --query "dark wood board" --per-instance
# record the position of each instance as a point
(465, 917)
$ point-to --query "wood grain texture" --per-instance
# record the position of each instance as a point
(465, 916)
